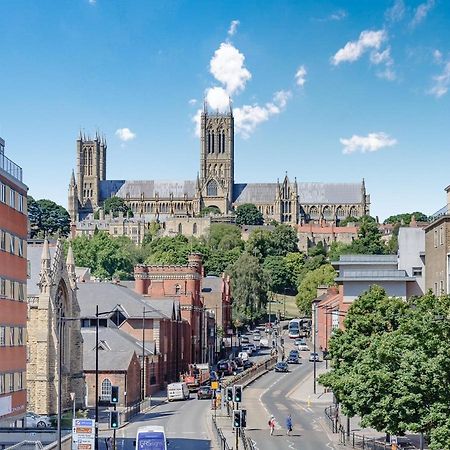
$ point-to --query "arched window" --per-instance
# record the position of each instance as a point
(353, 212)
(177, 289)
(327, 213)
(90, 162)
(194, 228)
(106, 390)
(340, 212)
(211, 140)
(313, 212)
(180, 228)
(211, 189)
(223, 141)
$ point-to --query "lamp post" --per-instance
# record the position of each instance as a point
(97, 317)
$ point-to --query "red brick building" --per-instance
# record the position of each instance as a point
(184, 284)
(13, 279)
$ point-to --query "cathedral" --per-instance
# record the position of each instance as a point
(285, 201)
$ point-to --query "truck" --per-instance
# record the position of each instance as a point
(197, 375)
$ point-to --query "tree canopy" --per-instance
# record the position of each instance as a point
(390, 364)
(406, 218)
(115, 205)
(47, 219)
(248, 214)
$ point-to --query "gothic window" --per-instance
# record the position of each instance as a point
(221, 171)
(222, 137)
(313, 212)
(340, 212)
(85, 161)
(106, 390)
(327, 213)
(194, 228)
(90, 162)
(211, 189)
(353, 212)
(211, 142)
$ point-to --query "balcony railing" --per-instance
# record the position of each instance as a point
(442, 212)
(10, 167)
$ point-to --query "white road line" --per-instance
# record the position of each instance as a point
(254, 445)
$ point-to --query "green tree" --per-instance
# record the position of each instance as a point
(259, 243)
(115, 205)
(224, 237)
(280, 279)
(283, 240)
(307, 290)
(47, 219)
(249, 288)
(294, 263)
(347, 220)
(369, 240)
(219, 261)
(405, 218)
(248, 214)
(318, 249)
(209, 210)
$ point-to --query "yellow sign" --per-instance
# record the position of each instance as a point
(214, 385)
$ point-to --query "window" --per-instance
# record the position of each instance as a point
(20, 381)
(2, 336)
(442, 287)
(11, 382)
(2, 193)
(12, 198)
(106, 390)
(435, 238)
(20, 205)
(12, 336)
(435, 289)
(417, 271)
(441, 236)
(2, 287)
(180, 228)
(2, 240)
(194, 228)
(12, 285)
(20, 336)
(20, 247)
(12, 249)
(177, 289)
(211, 189)
(2, 383)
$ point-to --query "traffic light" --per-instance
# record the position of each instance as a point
(237, 393)
(230, 393)
(114, 394)
(114, 419)
(243, 418)
(237, 418)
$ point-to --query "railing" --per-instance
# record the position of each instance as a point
(220, 438)
(10, 167)
(133, 410)
(247, 442)
(26, 445)
(442, 212)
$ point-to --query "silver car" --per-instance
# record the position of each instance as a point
(33, 420)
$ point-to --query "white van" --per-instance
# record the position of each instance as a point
(177, 391)
(151, 436)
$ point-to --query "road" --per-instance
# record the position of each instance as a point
(271, 395)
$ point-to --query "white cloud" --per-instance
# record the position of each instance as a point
(125, 134)
(396, 12)
(197, 119)
(384, 57)
(233, 27)
(437, 56)
(218, 99)
(441, 83)
(192, 101)
(353, 50)
(300, 76)
(227, 66)
(92, 2)
(338, 15)
(370, 143)
(248, 117)
(421, 12)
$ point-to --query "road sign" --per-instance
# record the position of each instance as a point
(214, 385)
(83, 434)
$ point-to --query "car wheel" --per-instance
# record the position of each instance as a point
(41, 424)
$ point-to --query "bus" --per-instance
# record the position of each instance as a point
(294, 328)
(151, 437)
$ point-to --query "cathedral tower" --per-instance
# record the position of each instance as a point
(91, 169)
(217, 159)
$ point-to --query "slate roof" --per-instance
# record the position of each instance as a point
(212, 284)
(119, 348)
(109, 295)
(329, 193)
(254, 192)
(108, 188)
(34, 253)
(161, 187)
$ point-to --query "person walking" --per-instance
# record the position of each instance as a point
(272, 424)
(289, 424)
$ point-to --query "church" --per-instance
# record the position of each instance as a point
(286, 201)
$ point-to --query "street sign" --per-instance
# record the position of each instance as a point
(83, 434)
(214, 385)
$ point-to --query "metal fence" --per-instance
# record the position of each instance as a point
(247, 442)
(27, 445)
(220, 438)
(355, 440)
(127, 414)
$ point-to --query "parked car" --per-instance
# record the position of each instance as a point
(314, 357)
(246, 348)
(264, 343)
(257, 336)
(205, 392)
(239, 363)
(244, 340)
(281, 367)
(247, 364)
(243, 356)
(33, 420)
(294, 357)
(224, 367)
(303, 348)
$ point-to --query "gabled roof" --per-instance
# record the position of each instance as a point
(339, 193)
(116, 348)
(255, 192)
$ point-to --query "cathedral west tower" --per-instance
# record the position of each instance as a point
(217, 159)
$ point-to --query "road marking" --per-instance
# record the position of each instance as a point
(255, 446)
(291, 444)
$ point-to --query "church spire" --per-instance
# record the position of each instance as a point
(45, 274)
(70, 263)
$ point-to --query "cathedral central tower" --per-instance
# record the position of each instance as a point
(217, 159)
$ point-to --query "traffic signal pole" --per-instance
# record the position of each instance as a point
(114, 430)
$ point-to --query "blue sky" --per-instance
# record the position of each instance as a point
(369, 100)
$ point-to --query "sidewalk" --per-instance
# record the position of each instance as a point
(304, 392)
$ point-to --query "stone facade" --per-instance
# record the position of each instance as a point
(310, 235)
(285, 201)
(52, 295)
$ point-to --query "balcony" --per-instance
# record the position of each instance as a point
(10, 167)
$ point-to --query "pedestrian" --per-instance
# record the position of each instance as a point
(272, 424)
(289, 424)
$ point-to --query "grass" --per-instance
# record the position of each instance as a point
(279, 302)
